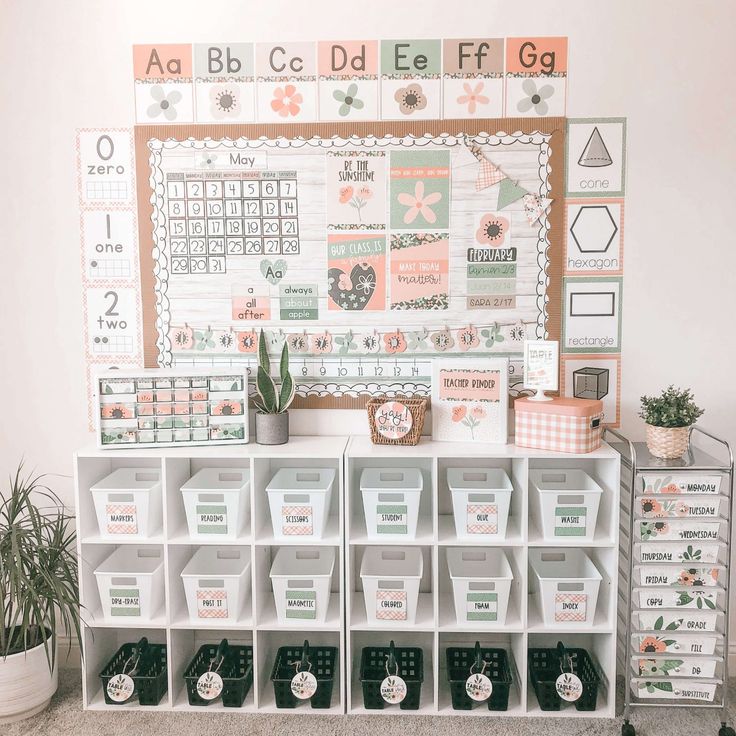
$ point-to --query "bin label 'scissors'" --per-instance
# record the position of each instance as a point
(297, 520)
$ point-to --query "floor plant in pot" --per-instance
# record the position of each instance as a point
(39, 593)
(669, 418)
(272, 403)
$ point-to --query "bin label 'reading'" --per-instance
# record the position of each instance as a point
(211, 519)
(482, 606)
(301, 604)
(391, 519)
(570, 521)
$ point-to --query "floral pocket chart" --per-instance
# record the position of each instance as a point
(370, 248)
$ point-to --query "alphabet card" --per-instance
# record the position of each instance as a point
(411, 79)
(348, 80)
(470, 400)
(224, 82)
(536, 76)
(472, 78)
(286, 82)
(164, 91)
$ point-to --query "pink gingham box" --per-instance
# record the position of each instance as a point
(559, 425)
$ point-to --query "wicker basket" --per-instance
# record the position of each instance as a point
(417, 407)
(668, 442)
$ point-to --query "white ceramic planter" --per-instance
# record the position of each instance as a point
(26, 684)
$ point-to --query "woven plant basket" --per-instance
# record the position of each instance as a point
(668, 442)
(417, 407)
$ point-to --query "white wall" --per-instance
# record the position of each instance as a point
(664, 64)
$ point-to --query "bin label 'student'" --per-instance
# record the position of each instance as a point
(391, 518)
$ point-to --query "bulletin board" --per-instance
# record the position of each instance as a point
(371, 248)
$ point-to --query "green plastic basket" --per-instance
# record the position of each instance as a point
(494, 663)
(377, 662)
(234, 664)
(149, 674)
(320, 661)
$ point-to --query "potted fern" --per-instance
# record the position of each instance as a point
(39, 593)
(669, 418)
(272, 404)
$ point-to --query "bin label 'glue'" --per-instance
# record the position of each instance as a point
(482, 518)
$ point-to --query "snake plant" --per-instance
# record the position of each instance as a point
(271, 400)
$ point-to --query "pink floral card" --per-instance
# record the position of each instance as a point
(470, 400)
(472, 77)
(420, 190)
(420, 269)
(356, 190)
(286, 82)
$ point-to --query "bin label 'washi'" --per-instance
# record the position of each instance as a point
(570, 521)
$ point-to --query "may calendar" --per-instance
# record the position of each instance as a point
(370, 249)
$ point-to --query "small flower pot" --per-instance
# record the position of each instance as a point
(668, 442)
(272, 429)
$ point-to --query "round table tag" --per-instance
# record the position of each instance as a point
(569, 687)
(393, 689)
(120, 688)
(478, 687)
(393, 420)
(209, 686)
(303, 685)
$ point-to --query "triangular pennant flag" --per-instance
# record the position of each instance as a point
(508, 193)
(595, 153)
(534, 206)
(488, 175)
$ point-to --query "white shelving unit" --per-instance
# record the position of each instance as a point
(257, 625)
(435, 627)
(346, 626)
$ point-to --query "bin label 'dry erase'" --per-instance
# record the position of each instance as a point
(570, 606)
(301, 604)
(125, 602)
(391, 605)
(391, 518)
(121, 518)
(570, 521)
(211, 603)
(297, 520)
(211, 519)
(482, 518)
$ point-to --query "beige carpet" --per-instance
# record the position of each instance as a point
(65, 716)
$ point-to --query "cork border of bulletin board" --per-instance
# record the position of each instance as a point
(399, 128)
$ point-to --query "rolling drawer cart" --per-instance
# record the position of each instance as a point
(676, 523)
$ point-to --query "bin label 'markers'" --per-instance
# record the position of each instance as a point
(121, 518)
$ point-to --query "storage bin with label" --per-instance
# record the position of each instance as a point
(391, 502)
(559, 425)
(669, 665)
(217, 583)
(568, 503)
(299, 500)
(391, 577)
(683, 621)
(481, 585)
(145, 665)
(654, 689)
(216, 502)
(679, 597)
(547, 665)
(232, 667)
(292, 688)
(481, 498)
(568, 586)
(380, 670)
(684, 507)
(674, 642)
(131, 583)
(301, 578)
(464, 663)
(683, 573)
(128, 503)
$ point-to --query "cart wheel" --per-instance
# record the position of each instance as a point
(726, 730)
(628, 730)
